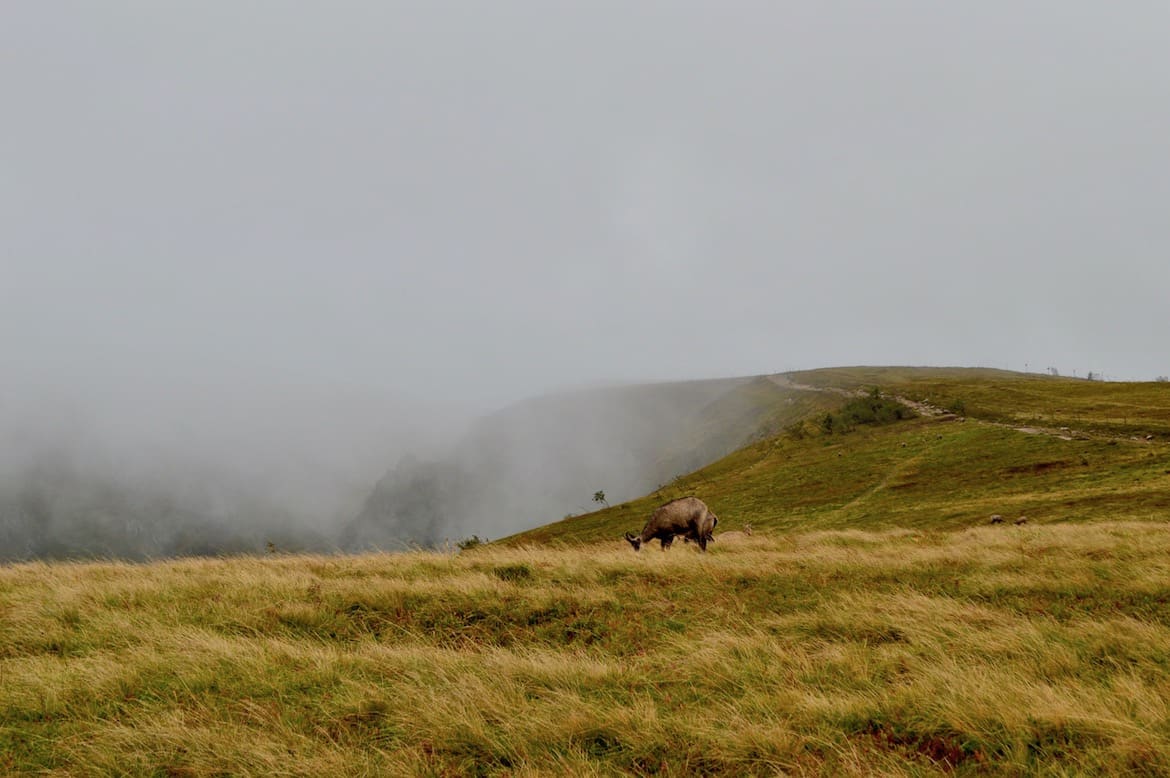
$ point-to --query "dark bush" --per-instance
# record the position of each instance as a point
(469, 543)
(874, 408)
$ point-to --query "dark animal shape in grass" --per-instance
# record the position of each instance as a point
(996, 519)
(688, 517)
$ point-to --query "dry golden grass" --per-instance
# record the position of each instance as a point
(1007, 650)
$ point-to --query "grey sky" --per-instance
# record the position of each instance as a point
(473, 202)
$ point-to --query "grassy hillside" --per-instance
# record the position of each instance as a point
(1005, 457)
(874, 624)
(1004, 650)
(757, 409)
(1119, 408)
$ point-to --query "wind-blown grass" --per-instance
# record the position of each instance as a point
(1019, 650)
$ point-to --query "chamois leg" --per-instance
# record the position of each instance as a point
(666, 541)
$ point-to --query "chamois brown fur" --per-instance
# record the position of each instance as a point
(688, 517)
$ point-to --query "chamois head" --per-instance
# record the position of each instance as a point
(635, 541)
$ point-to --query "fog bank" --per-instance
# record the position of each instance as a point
(154, 470)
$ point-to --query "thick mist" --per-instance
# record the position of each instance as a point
(156, 470)
(181, 474)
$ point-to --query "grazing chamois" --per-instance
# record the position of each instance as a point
(687, 516)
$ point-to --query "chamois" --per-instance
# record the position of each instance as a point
(687, 516)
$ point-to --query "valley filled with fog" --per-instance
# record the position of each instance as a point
(177, 473)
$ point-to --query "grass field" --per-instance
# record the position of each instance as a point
(1012, 650)
(875, 624)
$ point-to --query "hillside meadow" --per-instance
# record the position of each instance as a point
(1108, 407)
(1033, 650)
(874, 624)
(1050, 449)
(921, 473)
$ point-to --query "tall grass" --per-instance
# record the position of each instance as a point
(1017, 650)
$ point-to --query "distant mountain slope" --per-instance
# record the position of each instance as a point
(548, 456)
(1047, 448)
(1025, 399)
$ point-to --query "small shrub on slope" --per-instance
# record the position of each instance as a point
(874, 408)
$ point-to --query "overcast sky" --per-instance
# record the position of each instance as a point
(472, 202)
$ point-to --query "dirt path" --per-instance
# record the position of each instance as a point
(923, 409)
